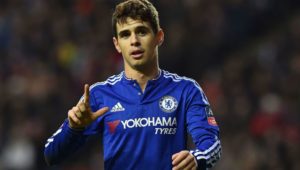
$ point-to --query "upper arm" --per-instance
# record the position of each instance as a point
(202, 126)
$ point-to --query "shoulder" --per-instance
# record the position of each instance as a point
(189, 86)
(181, 79)
(110, 81)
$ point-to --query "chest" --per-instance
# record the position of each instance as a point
(158, 117)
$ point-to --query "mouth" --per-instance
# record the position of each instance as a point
(137, 54)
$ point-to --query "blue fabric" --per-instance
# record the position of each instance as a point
(143, 130)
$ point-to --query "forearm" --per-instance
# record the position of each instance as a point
(63, 143)
(208, 153)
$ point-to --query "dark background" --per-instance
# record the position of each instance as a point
(244, 53)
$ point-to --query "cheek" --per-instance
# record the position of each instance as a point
(153, 44)
(123, 50)
(119, 49)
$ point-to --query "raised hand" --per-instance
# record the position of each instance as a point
(81, 115)
(183, 161)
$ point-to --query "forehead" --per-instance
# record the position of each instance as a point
(131, 24)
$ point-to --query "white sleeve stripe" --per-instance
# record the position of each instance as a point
(57, 132)
(208, 150)
(218, 147)
(212, 162)
(215, 158)
(211, 155)
(51, 139)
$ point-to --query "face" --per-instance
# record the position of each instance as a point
(138, 44)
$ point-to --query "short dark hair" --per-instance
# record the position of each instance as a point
(137, 10)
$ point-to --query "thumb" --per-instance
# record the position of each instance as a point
(99, 113)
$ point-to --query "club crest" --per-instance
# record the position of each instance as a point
(168, 104)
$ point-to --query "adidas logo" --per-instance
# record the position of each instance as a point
(117, 108)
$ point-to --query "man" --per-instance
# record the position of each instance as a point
(144, 114)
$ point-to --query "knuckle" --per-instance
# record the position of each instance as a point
(78, 114)
(180, 165)
(184, 162)
(77, 121)
(70, 113)
(75, 109)
(73, 117)
(82, 107)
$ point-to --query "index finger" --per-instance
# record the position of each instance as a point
(86, 99)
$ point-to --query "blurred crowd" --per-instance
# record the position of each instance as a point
(244, 53)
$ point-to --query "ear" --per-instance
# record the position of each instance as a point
(160, 37)
(116, 43)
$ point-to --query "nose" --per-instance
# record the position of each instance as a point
(134, 40)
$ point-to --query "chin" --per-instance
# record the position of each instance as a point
(139, 65)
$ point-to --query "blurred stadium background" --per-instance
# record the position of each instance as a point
(244, 53)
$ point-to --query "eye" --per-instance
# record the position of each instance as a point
(124, 34)
(142, 31)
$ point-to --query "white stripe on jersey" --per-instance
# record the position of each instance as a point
(211, 155)
(111, 81)
(214, 146)
(177, 78)
(115, 77)
(51, 139)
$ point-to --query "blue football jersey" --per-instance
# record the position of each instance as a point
(142, 130)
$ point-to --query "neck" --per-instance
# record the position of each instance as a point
(142, 76)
